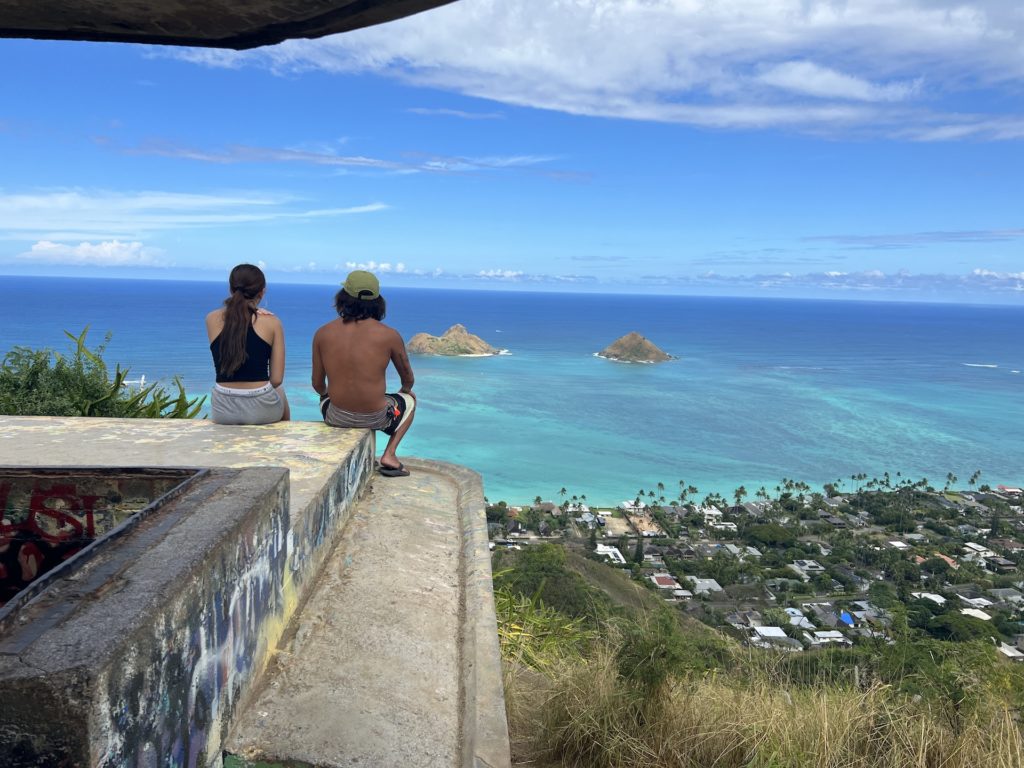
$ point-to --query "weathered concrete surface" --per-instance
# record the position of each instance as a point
(142, 655)
(394, 660)
(328, 470)
(214, 23)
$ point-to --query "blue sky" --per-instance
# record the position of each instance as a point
(863, 149)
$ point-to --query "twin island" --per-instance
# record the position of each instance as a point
(458, 342)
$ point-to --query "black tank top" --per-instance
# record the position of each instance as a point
(256, 366)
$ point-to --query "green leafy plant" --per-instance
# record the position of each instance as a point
(42, 382)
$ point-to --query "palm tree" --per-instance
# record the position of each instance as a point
(562, 492)
(537, 500)
(739, 493)
(974, 478)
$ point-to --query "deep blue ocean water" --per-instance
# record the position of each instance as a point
(763, 389)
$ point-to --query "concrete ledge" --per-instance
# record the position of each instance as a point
(328, 468)
(394, 660)
(485, 739)
(143, 654)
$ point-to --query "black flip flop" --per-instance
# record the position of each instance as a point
(399, 471)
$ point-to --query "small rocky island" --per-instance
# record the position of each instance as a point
(634, 348)
(455, 342)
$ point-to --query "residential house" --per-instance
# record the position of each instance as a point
(773, 637)
(611, 553)
(1007, 546)
(827, 637)
(1008, 596)
(743, 620)
(633, 507)
(711, 515)
(705, 586)
(975, 613)
(797, 619)
(1010, 652)
(824, 614)
(1000, 565)
(664, 580)
(806, 569)
(937, 599)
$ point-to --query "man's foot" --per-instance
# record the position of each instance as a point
(399, 471)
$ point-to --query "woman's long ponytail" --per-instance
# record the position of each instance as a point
(246, 283)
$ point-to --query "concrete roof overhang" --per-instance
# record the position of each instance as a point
(207, 23)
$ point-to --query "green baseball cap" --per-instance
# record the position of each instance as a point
(361, 285)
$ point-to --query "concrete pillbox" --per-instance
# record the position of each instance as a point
(142, 654)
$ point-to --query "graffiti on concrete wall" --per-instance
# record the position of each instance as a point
(46, 520)
(329, 512)
(168, 702)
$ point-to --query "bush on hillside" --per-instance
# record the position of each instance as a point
(42, 382)
(539, 573)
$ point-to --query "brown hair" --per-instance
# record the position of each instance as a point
(246, 283)
(351, 308)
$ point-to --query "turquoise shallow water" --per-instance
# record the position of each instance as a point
(764, 389)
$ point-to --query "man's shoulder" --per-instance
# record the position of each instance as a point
(326, 328)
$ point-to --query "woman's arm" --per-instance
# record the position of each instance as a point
(277, 354)
(214, 324)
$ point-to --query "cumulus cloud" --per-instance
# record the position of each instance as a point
(76, 214)
(374, 266)
(891, 66)
(112, 253)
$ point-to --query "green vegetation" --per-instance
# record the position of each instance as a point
(601, 672)
(41, 382)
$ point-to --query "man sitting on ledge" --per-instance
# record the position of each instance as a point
(350, 358)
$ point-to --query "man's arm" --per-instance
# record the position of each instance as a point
(400, 359)
(319, 374)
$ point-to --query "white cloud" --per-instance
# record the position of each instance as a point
(910, 239)
(327, 156)
(441, 112)
(112, 253)
(806, 77)
(897, 284)
(66, 215)
(804, 64)
(374, 266)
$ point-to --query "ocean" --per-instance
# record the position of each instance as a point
(763, 389)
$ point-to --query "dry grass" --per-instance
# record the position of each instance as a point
(581, 713)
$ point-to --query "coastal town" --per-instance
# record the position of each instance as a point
(797, 569)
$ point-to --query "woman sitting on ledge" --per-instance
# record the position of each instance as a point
(248, 354)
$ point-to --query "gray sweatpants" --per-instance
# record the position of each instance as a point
(264, 405)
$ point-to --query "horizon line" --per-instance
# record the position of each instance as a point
(532, 291)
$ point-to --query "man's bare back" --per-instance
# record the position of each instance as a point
(353, 357)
